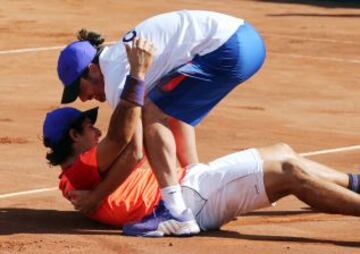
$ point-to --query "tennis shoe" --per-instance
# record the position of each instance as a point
(161, 222)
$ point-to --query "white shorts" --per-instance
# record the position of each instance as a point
(225, 188)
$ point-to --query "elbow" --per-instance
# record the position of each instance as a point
(137, 153)
(126, 139)
(132, 154)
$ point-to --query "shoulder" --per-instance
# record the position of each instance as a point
(88, 158)
(83, 174)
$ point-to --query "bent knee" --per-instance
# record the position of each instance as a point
(284, 177)
(296, 174)
(278, 152)
(287, 151)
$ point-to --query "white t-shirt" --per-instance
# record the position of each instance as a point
(177, 37)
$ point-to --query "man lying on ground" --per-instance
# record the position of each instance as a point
(215, 192)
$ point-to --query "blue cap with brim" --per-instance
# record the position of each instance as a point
(72, 63)
(59, 121)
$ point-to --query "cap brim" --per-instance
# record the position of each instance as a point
(70, 93)
(91, 114)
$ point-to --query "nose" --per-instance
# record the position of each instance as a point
(85, 91)
(84, 98)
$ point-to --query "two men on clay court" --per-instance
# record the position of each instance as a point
(199, 57)
(108, 173)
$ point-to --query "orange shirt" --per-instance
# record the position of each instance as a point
(131, 201)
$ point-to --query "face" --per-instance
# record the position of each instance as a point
(92, 86)
(88, 138)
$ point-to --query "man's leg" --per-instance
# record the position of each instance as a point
(185, 142)
(286, 174)
(160, 146)
(349, 181)
(283, 151)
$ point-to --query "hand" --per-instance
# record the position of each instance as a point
(139, 54)
(84, 201)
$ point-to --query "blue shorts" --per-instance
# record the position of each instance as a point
(190, 91)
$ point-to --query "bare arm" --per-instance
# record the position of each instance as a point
(126, 116)
(115, 156)
(138, 141)
(121, 130)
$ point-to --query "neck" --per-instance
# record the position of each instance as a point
(71, 159)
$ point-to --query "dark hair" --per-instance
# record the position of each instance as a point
(94, 38)
(97, 41)
(63, 149)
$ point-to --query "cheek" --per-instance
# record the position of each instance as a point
(99, 87)
(86, 90)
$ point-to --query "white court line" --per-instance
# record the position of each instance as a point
(27, 50)
(327, 151)
(333, 59)
(22, 193)
(31, 50)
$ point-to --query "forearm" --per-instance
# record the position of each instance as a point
(125, 118)
(116, 174)
(123, 166)
(123, 123)
(115, 156)
(138, 141)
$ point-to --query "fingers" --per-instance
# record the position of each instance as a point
(76, 196)
(148, 46)
(139, 55)
(80, 200)
(81, 207)
(139, 43)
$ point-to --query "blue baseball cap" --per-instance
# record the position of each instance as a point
(59, 121)
(72, 63)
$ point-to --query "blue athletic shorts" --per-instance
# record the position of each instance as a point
(190, 91)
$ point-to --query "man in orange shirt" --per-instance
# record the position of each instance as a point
(215, 192)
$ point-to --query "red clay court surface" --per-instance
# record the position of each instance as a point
(307, 95)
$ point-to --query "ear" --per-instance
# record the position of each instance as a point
(74, 135)
(91, 66)
(94, 69)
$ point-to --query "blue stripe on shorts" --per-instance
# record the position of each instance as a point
(190, 91)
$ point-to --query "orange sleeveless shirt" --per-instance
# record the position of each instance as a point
(131, 201)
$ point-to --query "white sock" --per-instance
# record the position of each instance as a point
(173, 199)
